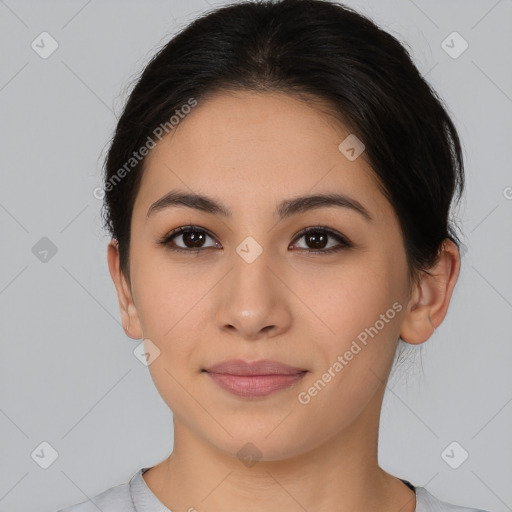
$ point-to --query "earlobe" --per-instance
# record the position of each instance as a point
(431, 296)
(129, 315)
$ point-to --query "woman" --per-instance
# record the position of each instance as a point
(278, 193)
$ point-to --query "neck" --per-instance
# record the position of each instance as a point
(342, 474)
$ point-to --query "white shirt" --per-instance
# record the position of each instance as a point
(136, 496)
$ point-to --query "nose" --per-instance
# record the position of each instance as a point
(253, 302)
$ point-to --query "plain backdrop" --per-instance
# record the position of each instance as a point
(74, 398)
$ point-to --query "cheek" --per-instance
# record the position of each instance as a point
(349, 297)
(165, 294)
(356, 359)
(359, 306)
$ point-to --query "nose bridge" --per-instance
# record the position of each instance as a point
(251, 276)
(251, 298)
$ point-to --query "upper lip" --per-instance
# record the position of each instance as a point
(261, 367)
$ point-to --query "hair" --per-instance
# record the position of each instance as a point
(316, 49)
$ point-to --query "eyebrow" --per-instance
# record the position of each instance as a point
(287, 208)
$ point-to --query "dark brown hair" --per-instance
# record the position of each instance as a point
(307, 48)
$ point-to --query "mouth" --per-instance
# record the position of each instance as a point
(254, 379)
(262, 367)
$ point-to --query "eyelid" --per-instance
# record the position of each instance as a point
(342, 240)
(331, 232)
(166, 239)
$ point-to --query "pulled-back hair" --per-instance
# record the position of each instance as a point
(314, 49)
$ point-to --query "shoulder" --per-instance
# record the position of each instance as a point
(115, 499)
(426, 502)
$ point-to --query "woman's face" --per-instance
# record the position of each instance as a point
(258, 288)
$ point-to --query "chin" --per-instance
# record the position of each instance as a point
(261, 443)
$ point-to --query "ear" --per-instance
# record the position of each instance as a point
(129, 315)
(431, 296)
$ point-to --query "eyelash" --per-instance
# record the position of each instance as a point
(345, 244)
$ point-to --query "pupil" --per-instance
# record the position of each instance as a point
(318, 239)
(195, 238)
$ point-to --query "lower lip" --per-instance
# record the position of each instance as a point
(251, 386)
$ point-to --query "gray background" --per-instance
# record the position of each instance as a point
(68, 373)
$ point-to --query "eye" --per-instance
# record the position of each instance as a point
(192, 238)
(318, 236)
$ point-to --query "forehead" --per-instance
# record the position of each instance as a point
(256, 147)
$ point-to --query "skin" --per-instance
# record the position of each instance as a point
(250, 151)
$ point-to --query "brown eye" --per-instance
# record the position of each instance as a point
(317, 239)
(192, 239)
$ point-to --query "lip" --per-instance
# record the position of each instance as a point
(251, 379)
(261, 367)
